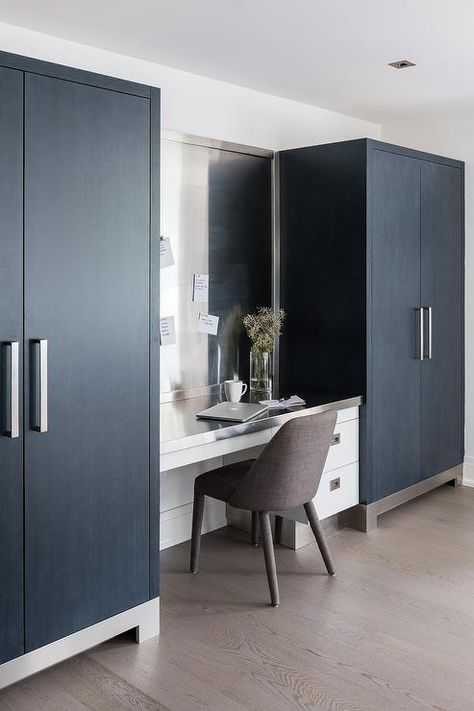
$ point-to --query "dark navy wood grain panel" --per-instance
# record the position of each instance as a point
(87, 273)
(323, 255)
(395, 295)
(413, 153)
(442, 288)
(11, 329)
(240, 250)
(155, 101)
(59, 71)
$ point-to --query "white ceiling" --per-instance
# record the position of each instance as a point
(332, 54)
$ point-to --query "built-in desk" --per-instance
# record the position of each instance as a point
(190, 446)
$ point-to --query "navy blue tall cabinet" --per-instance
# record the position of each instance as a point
(11, 336)
(372, 279)
(79, 187)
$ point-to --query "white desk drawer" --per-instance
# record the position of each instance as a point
(346, 450)
(338, 490)
(349, 413)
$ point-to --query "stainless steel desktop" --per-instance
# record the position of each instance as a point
(180, 429)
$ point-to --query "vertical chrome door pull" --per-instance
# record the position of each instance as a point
(421, 343)
(42, 407)
(14, 377)
(430, 332)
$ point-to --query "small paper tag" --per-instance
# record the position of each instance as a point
(200, 287)
(207, 323)
(166, 253)
(167, 331)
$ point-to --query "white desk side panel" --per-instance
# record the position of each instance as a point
(176, 503)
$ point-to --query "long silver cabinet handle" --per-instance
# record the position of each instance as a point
(421, 343)
(430, 332)
(14, 377)
(42, 345)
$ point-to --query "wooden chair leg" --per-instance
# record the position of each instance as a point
(319, 535)
(254, 528)
(269, 554)
(198, 512)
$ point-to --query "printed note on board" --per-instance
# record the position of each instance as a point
(167, 331)
(207, 323)
(200, 287)
(166, 253)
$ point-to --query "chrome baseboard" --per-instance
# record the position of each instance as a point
(145, 619)
(364, 517)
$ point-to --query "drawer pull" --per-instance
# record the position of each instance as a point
(336, 438)
(335, 484)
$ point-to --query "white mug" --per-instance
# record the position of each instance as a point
(234, 389)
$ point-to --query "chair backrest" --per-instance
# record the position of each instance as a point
(288, 471)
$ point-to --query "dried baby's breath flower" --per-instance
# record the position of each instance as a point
(263, 327)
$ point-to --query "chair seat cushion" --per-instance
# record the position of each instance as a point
(221, 483)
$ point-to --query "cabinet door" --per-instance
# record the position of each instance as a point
(394, 280)
(11, 330)
(87, 174)
(442, 289)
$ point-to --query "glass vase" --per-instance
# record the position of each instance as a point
(260, 375)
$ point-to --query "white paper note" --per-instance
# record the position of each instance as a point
(167, 331)
(293, 401)
(208, 324)
(200, 287)
(166, 253)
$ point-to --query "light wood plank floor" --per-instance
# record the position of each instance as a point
(393, 631)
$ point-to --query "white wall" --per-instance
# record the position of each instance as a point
(452, 135)
(196, 104)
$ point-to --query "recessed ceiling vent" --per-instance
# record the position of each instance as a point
(402, 64)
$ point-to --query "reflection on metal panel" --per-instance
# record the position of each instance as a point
(216, 211)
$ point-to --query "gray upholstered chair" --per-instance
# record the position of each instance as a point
(285, 475)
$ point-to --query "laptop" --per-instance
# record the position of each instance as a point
(232, 411)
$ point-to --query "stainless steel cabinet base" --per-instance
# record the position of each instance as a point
(144, 618)
(364, 517)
